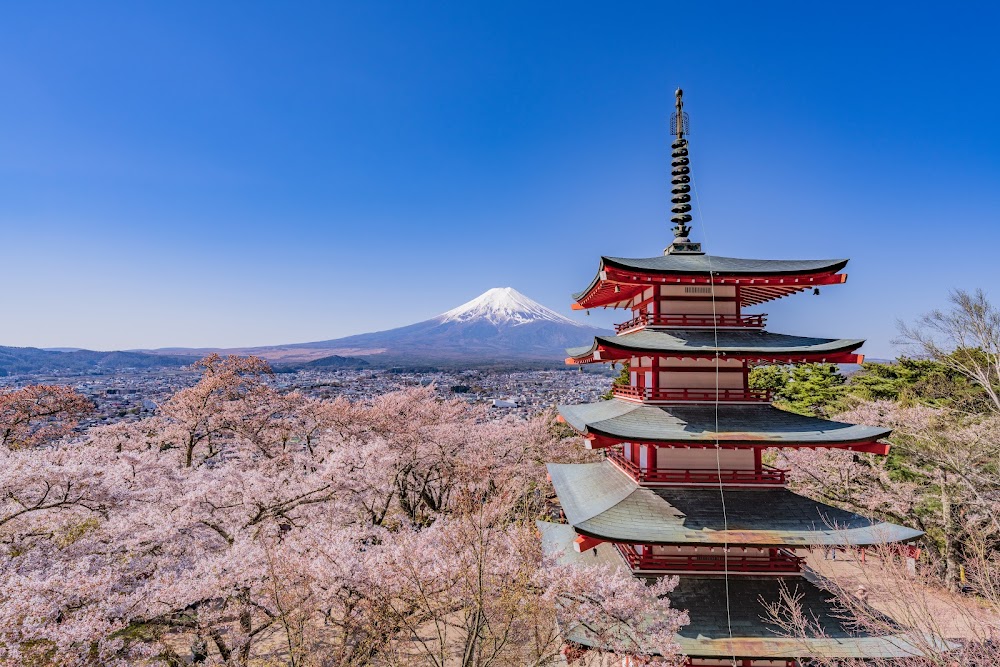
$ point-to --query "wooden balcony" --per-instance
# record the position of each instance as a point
(767, 476)
(644, 319)
(650, 395)
(782, 562)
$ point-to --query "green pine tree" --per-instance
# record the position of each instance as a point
(624, 379)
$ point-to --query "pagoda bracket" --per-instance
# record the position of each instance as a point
(583, 543)
(877, 448)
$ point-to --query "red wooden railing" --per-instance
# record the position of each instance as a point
(644, 319)
(631, 393)
(767, 474)
(780, 562)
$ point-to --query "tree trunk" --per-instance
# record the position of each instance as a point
(472, 640)
(951, 569)
(220, 644)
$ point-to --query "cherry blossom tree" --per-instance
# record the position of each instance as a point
(37, 414)
(940, 476)
(886, 598)
(243, 524)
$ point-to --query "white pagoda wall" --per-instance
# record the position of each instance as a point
(702, 304)
(730, 374)
(704, 459)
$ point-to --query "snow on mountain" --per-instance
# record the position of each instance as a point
(504, 306)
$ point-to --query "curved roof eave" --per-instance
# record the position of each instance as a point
(706, 264)
(707, 342)
(732, 424)
(601, 501)
(707, 635)
(725, 266)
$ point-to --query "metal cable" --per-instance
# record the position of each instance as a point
(718, 449)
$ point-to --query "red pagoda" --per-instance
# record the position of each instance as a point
(683, 489)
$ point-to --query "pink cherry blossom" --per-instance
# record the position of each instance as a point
(242, 524)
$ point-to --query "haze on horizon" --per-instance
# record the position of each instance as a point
(237, 174)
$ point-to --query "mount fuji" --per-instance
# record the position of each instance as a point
(500, 326)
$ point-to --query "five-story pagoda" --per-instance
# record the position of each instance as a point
(683, 488)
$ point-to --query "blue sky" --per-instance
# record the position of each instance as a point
(202, 174)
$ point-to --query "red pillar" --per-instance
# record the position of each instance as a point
(650, 459)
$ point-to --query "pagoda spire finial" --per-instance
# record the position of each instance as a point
(680, 181)
(679, 114)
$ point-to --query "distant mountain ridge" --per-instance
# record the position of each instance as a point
(499, 327)
(31, 360)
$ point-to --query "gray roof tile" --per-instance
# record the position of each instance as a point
(601, 501)
(701, 342)
(723, 266)
(708, 633)
(702, 264)
(744, 424)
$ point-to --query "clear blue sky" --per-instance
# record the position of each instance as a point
(195, 174)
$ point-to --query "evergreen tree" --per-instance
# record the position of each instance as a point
(808, 389)
(813, 389)
(624, 379)
(771, 378)
(918, 381)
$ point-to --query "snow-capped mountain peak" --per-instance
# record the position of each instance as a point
(503, 305)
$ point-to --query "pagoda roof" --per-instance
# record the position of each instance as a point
(725, 266)
(602, 502)
(727, 424)
(761, 279)
(692, 343)
(707, 635)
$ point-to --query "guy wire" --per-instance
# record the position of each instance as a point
(718, 449)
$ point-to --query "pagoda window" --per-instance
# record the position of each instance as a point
(698, 291)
